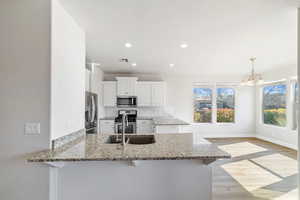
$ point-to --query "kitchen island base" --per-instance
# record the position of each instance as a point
(149, 180)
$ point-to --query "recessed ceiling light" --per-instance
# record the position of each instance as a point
(128, 45)
(184, 45)
(171, 65)
(133, 64)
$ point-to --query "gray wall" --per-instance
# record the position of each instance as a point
(25, 96)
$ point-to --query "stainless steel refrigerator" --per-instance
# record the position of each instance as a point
(91, 112)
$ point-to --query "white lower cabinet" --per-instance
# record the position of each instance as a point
(107, 126)
(144, 126)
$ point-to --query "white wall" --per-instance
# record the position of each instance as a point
(280, 135)
(96, 87)
(67, 73)
(25, 96)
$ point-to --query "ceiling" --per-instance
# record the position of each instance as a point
(221, 35)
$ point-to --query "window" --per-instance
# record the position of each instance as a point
(225, 105)
(296, 103)
(274, 105)
(202, 105)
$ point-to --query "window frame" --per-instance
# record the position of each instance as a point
(294, 104)
(216, 106)
(214, 86)
(281, 82)
(204, 86)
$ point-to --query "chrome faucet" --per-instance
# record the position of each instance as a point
(124, 125)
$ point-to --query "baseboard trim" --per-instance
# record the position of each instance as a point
(267, 139)
(278, 142)
(229, 136)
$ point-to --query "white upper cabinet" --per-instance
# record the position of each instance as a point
(109, 93)
(126, 86)
(149, 94)
(158, 94)
(143, 92)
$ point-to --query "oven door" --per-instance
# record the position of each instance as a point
(130, 129)
(126, 102)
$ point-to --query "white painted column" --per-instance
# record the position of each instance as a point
(298, 105)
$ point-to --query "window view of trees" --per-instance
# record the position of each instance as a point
(274, 105)
(225, 105)
(202, 105)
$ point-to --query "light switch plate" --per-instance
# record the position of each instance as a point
(32, 128)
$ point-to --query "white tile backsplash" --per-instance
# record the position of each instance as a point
(142, 112)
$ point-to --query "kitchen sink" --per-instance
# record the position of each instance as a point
(141, 139)
(114, 139)
(132, 139)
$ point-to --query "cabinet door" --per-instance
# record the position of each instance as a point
(131, 87)
(109, 94)
(123, 88)
(158, 94)
(107, 126)
(144, 126)
(143, 92)
(126, 86)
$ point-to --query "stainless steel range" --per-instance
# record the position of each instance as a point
(130, 121)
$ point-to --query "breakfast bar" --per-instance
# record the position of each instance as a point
(159, 166)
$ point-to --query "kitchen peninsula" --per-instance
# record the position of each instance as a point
(173, 166)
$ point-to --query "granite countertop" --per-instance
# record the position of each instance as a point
(168, 121)
(145, 118)
(167, 147)
(157, 120)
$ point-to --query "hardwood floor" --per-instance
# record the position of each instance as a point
(258, 170)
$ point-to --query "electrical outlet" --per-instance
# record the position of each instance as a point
(32, 128)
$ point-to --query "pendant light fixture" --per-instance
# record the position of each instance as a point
(254, 78)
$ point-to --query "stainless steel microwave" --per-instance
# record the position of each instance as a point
(126, 101)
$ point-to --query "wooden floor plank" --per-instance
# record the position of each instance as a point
(259, 170)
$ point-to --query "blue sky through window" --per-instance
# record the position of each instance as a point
(203, 93)
(225, 91)
(275, 89)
